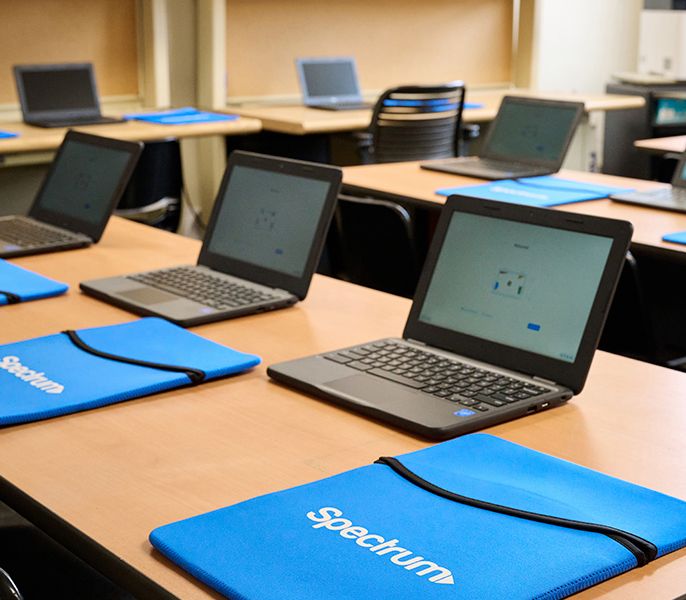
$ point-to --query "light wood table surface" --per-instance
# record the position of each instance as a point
(662, 145)
(408, 180)
(117, 472)
(301, 120)
(34, 139)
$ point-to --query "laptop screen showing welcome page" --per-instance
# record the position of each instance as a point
(83, 180)
(269, 219)
(527, 131)
(525, 286)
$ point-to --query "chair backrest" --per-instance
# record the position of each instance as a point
(417, 122)
(375, 245)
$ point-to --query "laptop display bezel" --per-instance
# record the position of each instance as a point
(555, 164)
(55, 114)
(310, 100)
(297, 285)
(92, 230)
(571, 375)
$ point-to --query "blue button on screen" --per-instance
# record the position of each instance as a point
(534, 326)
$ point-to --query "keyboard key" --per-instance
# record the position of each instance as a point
(338, 357)
(397, 378)
(359, 365)
(489, 400)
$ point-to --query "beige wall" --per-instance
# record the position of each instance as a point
(394, 41)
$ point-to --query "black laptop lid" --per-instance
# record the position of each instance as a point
(270, 220)
(85, 181)
(522, 288)
(679, 178)
(57, 92)
(328, 80)
(533, 131)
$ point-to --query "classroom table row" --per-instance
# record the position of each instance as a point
(301, 120)
(408, 182)
(113, 474)
(296, 119)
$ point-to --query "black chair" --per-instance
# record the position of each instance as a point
(8, 589)
(153, 195)
(415, 122)
(629, 329)
(372, 244)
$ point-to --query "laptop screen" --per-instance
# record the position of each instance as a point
(268, 219)
(521, 288)
(58, 88)
(532, 130)
(85, 181)
(526, 286)
(328, 80)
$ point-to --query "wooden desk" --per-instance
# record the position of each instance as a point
(117, 472)
(34, 139)
(408, 180)
(300, 120)
(673, 143)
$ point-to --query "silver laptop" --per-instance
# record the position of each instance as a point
(671, 198)
(528, 137)
(86, 180)
(59, 95)
(505, 321)
(262, 245)
(330, 83)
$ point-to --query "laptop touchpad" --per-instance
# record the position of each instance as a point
(146, 296)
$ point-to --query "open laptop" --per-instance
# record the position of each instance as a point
(528, 137)
(330, 83)
(59, 95)
(670, 198)
(505, 320)
(83, 185)
(262, 245)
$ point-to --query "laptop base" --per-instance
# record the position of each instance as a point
(146, 300)
(410, 409)
(650, 200)
(75, 122)
(352, 106)
(472, 168)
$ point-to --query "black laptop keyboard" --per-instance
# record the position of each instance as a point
(27, 234)
(453, 380)
(202, 287)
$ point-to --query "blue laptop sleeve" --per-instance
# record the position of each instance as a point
(20, 285)
(181, 116)
(545, 191)
(78, 370)
(475, 517)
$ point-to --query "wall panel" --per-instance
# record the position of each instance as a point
(394, 41)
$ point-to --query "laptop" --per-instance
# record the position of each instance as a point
(262, 245)
(83, 185)
(505, 321)
(59, 95)
(330, 83)
(528, 137)
(671, 198)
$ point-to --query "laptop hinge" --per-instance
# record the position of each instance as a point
(415, 341)
(542, 380)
